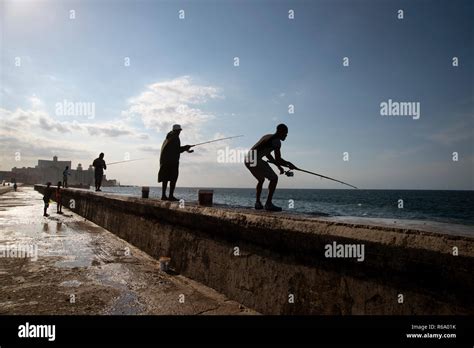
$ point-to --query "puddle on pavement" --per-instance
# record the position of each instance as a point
(53, 239)
(116, 276)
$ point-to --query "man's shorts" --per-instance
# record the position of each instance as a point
(262, 170)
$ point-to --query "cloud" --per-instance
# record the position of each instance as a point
(18, 133)
(34, 133)
(112, 130)
(33, 118)
(34, 147)
(165, 103)
(47, 123)
(149, 149)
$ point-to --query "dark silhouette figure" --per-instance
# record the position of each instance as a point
(169, 162)
(15, 186)
(99, 166)
(260, 168)
(66, 173)
(59, 209)
(46, 198)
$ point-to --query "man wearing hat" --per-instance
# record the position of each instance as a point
(169, 162)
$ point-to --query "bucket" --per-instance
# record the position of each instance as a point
(145, 191)
(164, 263)
(205, 197)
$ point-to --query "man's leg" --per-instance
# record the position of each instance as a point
(258, 203)
(271, 189)
(172, 187)
(259, 190)
(259, 174)
(99, 181)
(164, 186)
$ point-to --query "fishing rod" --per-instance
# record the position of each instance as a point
(325, 177)
(138, 159)
(211, 141)
(205, 142)
(290, 173)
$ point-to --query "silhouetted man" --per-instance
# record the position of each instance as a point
(99, 166)
(59, 202)
(46, 198)
(169, 162)
(260, 168)
(66, 173)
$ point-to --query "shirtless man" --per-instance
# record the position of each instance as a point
(260, 168)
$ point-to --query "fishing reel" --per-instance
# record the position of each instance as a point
(288, 172)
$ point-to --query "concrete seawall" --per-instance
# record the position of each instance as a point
(276, 264)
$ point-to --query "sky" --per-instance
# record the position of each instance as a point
(143, 68)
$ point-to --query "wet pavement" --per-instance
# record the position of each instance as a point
(64, 264)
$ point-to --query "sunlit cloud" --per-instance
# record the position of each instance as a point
(165, 103)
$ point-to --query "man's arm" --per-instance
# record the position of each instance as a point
(272, 160)
(279, 161)
(184, 148)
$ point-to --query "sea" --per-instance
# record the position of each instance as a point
(455, 207)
